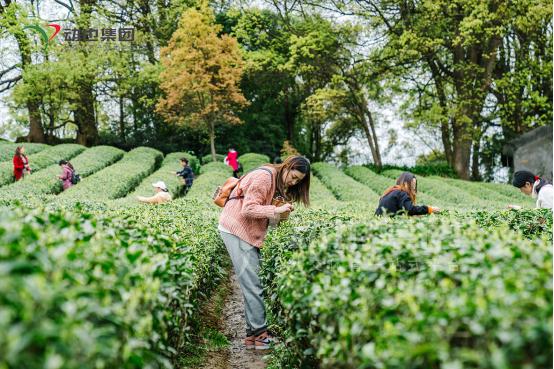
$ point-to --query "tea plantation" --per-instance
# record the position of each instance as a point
(90, 278)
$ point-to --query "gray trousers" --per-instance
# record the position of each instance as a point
(246, 262)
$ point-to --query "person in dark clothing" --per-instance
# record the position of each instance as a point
(401, 198)
(186, 174)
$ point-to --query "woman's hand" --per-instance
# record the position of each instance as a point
(284, 208)
(435, 210)
(515, 207)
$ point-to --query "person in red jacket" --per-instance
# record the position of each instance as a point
(231, 160)
(20, 163)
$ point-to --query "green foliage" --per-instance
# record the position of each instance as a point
(133, 279)
(79, 292)
(251, 161)
(380, 183)
(343, 288)
(344, 187)
(408, 293)
(531, 223)
(321, 196)
(458, 197)
(208, 158)
(117, 180)
(509, 191)
(216, 167)
(40, 160)
(46, 181)
(441, 169)
(7, 149)
(166, 173)
(482, 190)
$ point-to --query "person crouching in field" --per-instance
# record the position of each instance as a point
(20, 163)
(161, 194)
(243, 225)
(401, 198)
(67, 174)
(534, 186)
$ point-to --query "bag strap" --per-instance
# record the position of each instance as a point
(241, 178)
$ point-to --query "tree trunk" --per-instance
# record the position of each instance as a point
(36, 131)
(212, 139)
(445, 129)
(475, 175)
(87, 133)
(377, 156)
(365, 118)
(121, 119)
(289, 119)
(461, 151)
(317, 137)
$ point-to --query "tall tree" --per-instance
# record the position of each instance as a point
(13, 18)
(201, 75)
(447, 53)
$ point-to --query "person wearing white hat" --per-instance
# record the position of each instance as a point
(161, 194)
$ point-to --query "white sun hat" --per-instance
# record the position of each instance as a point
(161, 185)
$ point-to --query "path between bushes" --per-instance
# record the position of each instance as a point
(232, 324)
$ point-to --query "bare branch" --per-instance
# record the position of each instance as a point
(67, 6)
(2, 73)
(9, 83)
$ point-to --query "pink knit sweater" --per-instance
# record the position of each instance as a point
(247, 217)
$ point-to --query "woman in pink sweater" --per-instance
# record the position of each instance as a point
(67, 173)
(243, 226)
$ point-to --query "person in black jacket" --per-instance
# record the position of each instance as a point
(186, 174)
(401, 198)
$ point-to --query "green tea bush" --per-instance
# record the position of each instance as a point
(217, 167)
(417, 293)
(511, 192)
(124, 284)
(344, 187)
(435, 168)
(166, 173)
(46, 181)
(208, 158)
(7, 150)
(440, 189)
(531, 223)
(380, 183)
(320, 196)
(40, 160)
(196, 262)
(251, 161)
(117, 180)
(478, 189)
(79, 292)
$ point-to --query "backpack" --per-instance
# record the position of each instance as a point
(222, 193)
(75, 177)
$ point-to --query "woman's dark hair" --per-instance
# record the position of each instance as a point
(521, 177)
(301, 190)
(18, 150)
(65, 162)
(404, 183)
(185, 160)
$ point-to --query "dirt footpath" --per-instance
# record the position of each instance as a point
(232, 324)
